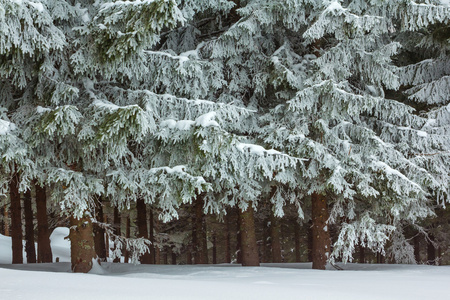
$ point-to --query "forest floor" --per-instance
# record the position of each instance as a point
(225, 281)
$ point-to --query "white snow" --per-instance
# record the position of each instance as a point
(422, 133)
(5, 127)
(38, 6)
(256, 149)
(206, 120)
(41, 110)
(226, 281)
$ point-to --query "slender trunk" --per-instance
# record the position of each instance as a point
(380, 258)
(199, 232)
(431, 251)
(275, 243)
(99, 232)
(238, 239)
(157, 250)
(321, 235)
(362, 254)
(152, 238)
(105, 220)
(214, 249)
(142, 227)
(16, 220)
(44, 248)
(29, 228)
(227, 239)
(310, 240)
(127, 235)
(417, 249)
(297, 241)
(249, 247)
(82, 250)
(165, 257)
(5, 221)
(117, 229)
(266, 248)
(174, 257)
(189, 256)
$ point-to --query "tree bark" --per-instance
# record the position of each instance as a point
(82, 250)
(275, 234)
(249, 247)
(141, 221)
(29, 228)
(227, 239)
(16, 220)
(199, 242)
(152, 238)
(127, 235)
(320, 232)
(417, 249)
(362, 254)
(214, 249)
(44, 248)
(117, 229)
(174, 257)
(431, 251)
(297, 241)
(99, 233)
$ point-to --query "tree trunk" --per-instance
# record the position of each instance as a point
(380, 258)
(117, 229)
(141, 221)
(431, 251)
(238, 239)
(362, 254)
(82, 250)
(152, 238)
(297, 241)
(310, 240)
(320, 233)
(29, 228)
(275, 234)
(16, 220)
(127, 235)
(214, 249)
(189, 255)
(249, 247)
(99, 232)
(174, 257)
(227, 239)
(44, 248)
(199, 232)
(417, 249)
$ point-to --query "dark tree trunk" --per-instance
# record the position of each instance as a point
(152, 238)
(266, 243)
(127, 235)
(117, 228)
(297, 241)
(29, 228)
(249, 247)
(82, 250)
(362, 254)
(165, 257)
(380, 258)
(199, 242)
(227, 239)
(99, 233)
(417, 249)
(275, 243)
(189, 256)
(238, 239)
(105, 220)
(16, 220)
(214, 249)
(141, 221)
(431, 251)
(310, 240)
(174, 257)
(321, 236)
(44, 248)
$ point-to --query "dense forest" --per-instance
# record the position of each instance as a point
(192, 131)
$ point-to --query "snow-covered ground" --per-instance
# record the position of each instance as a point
(271, 281)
